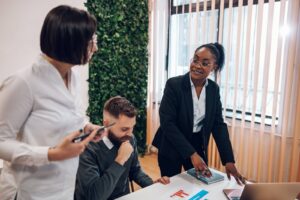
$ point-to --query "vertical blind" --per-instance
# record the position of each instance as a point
(259, 84)
(158, 45)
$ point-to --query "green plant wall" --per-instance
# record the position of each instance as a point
(120, 65)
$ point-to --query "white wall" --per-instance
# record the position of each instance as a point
(21, 23)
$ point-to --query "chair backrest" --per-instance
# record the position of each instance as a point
(131, 185)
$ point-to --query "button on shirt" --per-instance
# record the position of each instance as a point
(198, 106)
(37, 111)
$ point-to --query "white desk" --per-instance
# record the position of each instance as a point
(188, 184)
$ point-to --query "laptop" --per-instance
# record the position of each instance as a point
(265, 191)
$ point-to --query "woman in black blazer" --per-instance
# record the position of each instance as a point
(190, 111)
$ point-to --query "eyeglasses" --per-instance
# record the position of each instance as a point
(202, 63)
(95, 39)
(93, 42)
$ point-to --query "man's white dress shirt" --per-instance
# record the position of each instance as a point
(37, 111)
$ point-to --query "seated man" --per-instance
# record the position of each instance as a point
(106, 167)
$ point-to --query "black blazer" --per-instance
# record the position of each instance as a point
(173, 138)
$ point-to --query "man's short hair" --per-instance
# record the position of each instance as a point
(118, 105)
(66, 34)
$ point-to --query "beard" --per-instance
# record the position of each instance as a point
(117, 141)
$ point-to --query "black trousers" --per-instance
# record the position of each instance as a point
(169, 167)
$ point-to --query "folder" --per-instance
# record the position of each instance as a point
(216, 177)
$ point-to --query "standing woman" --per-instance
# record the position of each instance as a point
(40, 112)
(190, 111)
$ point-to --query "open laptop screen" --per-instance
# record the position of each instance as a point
(271, 191)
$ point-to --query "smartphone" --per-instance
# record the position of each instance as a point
(99, 132)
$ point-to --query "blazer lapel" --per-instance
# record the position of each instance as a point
(208, 105)
(188, 99)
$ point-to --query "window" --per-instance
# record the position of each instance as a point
(241, 91)
(186, 36)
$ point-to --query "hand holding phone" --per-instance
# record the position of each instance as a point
(99, 132)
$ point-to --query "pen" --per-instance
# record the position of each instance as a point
(83, 136)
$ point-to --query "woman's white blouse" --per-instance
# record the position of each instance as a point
(198, 106)
(37, 110)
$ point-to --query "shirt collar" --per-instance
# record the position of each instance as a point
(107, 142)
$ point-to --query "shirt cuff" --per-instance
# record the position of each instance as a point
(41, 155)
(31, 155)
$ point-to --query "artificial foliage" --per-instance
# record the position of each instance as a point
(119, 67)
